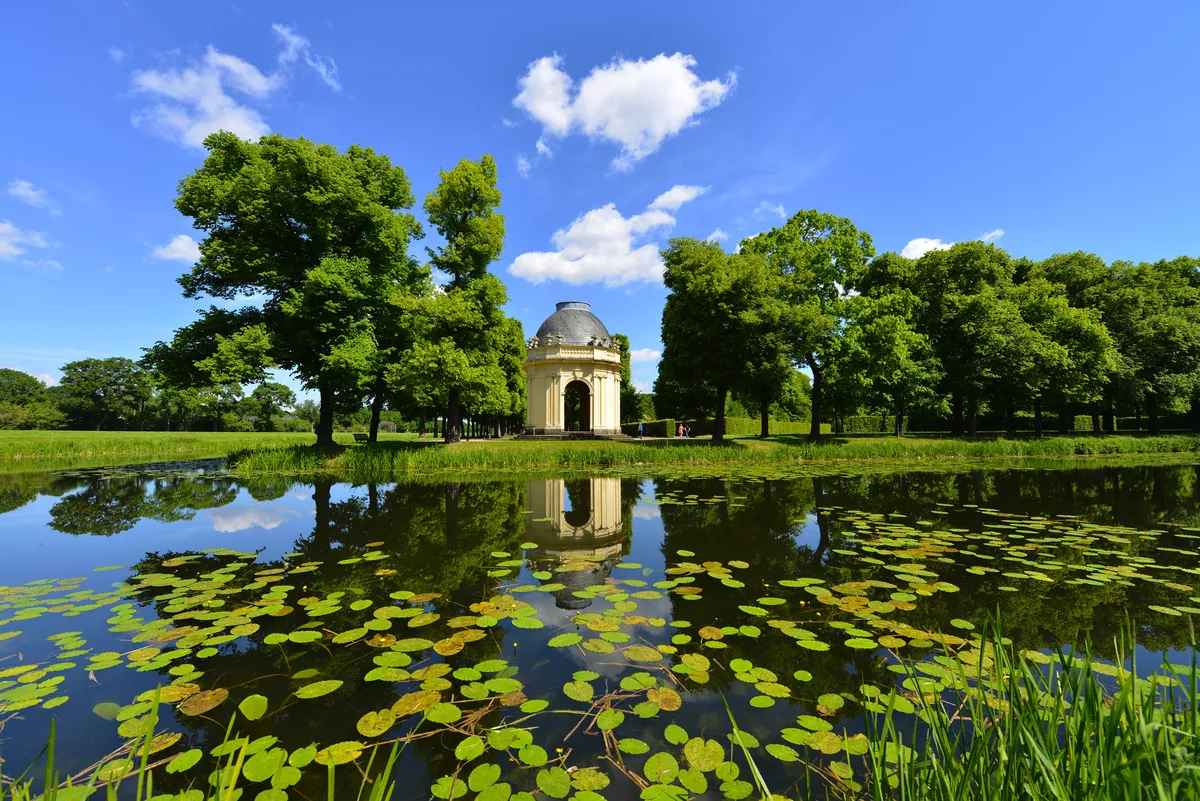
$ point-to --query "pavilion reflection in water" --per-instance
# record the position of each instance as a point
(579, 525)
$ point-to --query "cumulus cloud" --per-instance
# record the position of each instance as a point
(676, 196)
(636, 105)
(601, 246)
(716, 236)
(644, 355)
(767, 208)
(523, 166)
(14, 240)
(916, 248)
(197, 100)
(31, 195)
(992, 236)
(181, 248)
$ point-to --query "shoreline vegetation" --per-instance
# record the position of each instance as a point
(389, 460)
(400, 454)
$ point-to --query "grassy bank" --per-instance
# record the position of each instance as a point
(39, 446)
(390, 459)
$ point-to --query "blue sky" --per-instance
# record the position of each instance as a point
(1047, 127)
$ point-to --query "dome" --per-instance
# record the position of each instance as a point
(574, 322)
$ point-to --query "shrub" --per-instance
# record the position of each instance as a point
(10, 415)
(232, 422)
(43, 416)
(388, 426)
(293, 425)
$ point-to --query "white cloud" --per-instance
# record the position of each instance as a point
(181, 248)
(647, 511)
(116, 54)
(35, 196)
(644, 355)
(767, 208)
(992, 236)
(676, 196)
(716, 236)
(14, 240)
(643, 386)
(600, 246)
(195, 101)
(634, 104)
(523, 166)
(916, 248)
(297, 46)
(507, 123)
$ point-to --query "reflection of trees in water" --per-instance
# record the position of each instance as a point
(437, 541)
(108, 506)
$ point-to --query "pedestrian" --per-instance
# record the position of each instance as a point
(679, 432)
(639, 430)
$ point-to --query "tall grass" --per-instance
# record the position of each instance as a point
(389, 460)
(1018, 730)
(58, 445)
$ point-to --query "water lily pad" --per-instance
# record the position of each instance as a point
(661, 768)
(443, 713)
(202, 702)
(373, 724)
(609, 719)
(253, 707)
(340, 753)
(565, 640)
(318, 688)
(554, 782)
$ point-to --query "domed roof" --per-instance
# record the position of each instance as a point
(574, 322)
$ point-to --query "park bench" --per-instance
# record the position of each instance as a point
(361, 437)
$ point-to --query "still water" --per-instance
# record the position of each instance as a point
(551, 636)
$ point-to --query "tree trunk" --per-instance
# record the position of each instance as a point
(1037, 418)
(453, 425)
(899, 427)
(1095, 419)
(1010, 419)
(718, 434)
(376, 409)
(1109, 421)
(973, 416)
(420, 425)
(822, 522)
(956, 415)
(818, 383)
(325, 421)
(765, 413)
(1152, 411)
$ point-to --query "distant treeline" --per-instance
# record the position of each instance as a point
(958, 339)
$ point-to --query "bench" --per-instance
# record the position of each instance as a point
(361, 437)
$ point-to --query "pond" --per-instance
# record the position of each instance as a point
(601, 637)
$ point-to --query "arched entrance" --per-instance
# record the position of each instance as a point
(577, 403)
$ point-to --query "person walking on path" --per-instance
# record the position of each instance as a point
(639, 430)
(679, 433)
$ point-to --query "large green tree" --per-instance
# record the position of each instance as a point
(320, 236)
(463, 325)
(817, 257)
(19, 388)
(714, 318)
(103, 393)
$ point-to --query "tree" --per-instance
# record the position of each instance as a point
(462, 322)
(19, 388)
(308, 411)
(817, 257)
(320, 235)
(888, 360)
(103, 392)
(42, 415)
(268, 400)
(713, 318)
(11, 416)
(630, 408)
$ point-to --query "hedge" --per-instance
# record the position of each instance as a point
(752, 426)
(651, 428)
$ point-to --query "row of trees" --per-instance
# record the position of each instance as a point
(954, 334)
(320, 239)
(119, 393)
